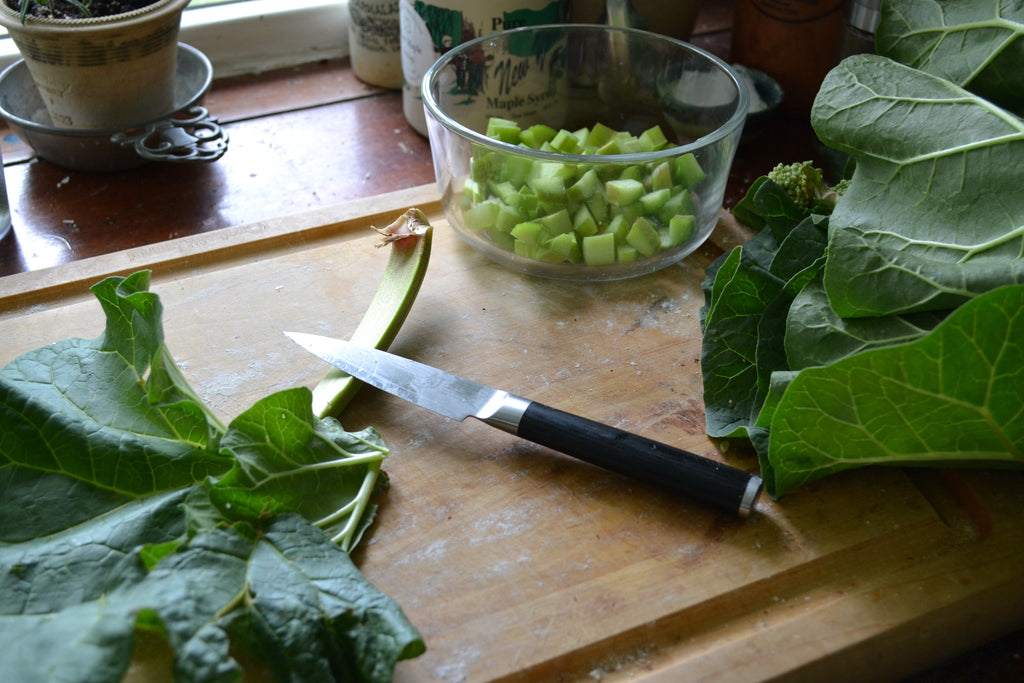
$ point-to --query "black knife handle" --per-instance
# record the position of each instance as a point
(722, 486)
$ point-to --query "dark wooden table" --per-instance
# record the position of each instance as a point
(309, 136)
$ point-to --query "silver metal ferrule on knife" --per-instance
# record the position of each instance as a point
(504, 411)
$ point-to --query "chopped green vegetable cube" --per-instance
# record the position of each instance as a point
(629, 145)
(566, 143)
(598, 207)
(583, 223)
(661, 176)
(586, 187)
(565, 246)
(544, 254)
(504, 130)
(530, 232)
(507, 218)
(632, 172)
(630, 212)
(516, 169)
(473, 192)
(550, 205)
(680, 203)
(619, 227)
(652, 201)
(687, 170)
(557, 222)
(505, 240)
(528, 202)
(627, 254)
(548, 187)
(610, 147)
(600, 134)
(610, 171)
(644, 237)
(537, 135)
(653, 139)
(598, 250)
(482, 165)
(526, 250)
(481, 216)
(622, 192)
(549, 169)
(681, 228)
(505, 191)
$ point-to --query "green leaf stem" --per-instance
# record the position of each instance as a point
(410, 237)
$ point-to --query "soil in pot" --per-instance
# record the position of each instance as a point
(58, 9)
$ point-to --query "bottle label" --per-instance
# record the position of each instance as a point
(375, 25)
(428, 31)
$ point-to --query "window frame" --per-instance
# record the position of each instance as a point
(252, 36)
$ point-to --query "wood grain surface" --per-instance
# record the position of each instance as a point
(924, 582)
(520, 564)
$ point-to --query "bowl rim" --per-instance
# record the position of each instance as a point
(732, 125)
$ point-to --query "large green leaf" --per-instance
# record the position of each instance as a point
(934, 214)
(815, 335)
(742, 290)
(287, 594)
(747, 293)
(282, 453)
(126, 505)
(978, 45)
(88, 420)
(954, 397)
(876, 368)
(55, 572)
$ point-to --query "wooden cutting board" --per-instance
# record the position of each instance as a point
(517, 563)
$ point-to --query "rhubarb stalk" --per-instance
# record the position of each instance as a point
(410, 239)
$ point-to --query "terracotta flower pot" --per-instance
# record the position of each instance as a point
(105, 71)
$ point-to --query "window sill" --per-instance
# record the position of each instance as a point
(256, 36)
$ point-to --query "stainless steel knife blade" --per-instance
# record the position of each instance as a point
(442, 392)
(455, 397)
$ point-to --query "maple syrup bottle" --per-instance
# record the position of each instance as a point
(793, 41)
(429, 29)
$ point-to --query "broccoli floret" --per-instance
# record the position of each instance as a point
(806, 186)
(802, 182)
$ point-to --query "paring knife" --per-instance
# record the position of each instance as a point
(714, 483)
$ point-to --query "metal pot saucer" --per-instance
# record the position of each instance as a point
(186, 134)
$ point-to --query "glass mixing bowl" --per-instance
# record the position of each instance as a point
(582, 152)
